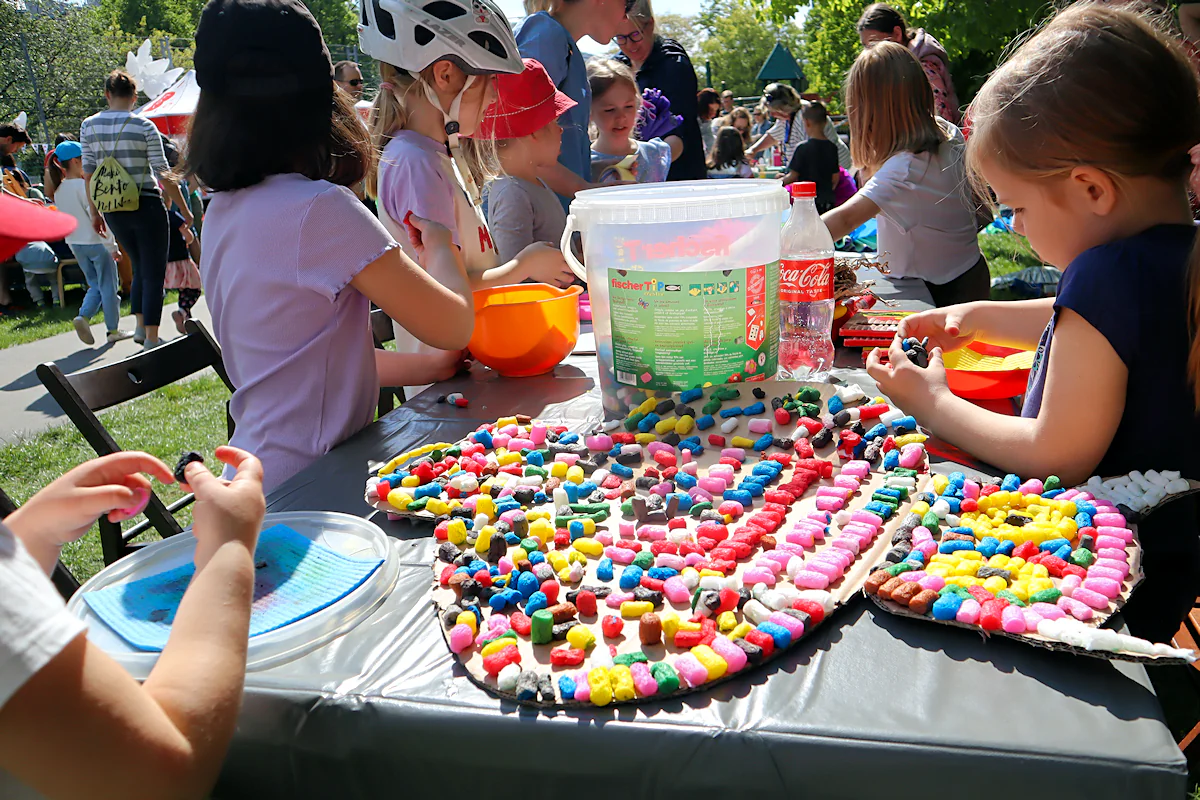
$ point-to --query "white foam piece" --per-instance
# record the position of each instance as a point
(1171, 474)
(1177, 485)
(1156, 478)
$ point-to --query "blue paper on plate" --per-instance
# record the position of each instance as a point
(294, 578)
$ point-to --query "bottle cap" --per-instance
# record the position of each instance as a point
(803, 189)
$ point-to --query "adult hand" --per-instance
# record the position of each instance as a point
(425, 233)
(98, 225)
(66, 509)
(544, 263)
(948, 328)
(912, 388)
(226, 511)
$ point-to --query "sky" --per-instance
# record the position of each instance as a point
(514, 10)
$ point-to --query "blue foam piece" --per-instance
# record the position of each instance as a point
(300, 578)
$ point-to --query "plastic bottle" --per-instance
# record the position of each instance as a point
(805, 289)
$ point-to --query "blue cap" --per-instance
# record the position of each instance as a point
(68, 150)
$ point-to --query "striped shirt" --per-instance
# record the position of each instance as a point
(139, 150)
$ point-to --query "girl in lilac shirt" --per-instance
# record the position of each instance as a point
(292, 259)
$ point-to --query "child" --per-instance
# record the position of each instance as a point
(93, 252)
(182, 273)
(430, 97)
(917, 186)
(815, 159)
(292, 259)
(549, 35)
(1109, 391)
(616, 155)
(728, 158)
(522, 210)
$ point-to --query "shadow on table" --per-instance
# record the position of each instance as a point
(1083, 678)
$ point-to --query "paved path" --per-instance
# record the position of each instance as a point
(25, 407)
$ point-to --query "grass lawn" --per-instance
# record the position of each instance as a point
(33, 323)
(183, 416)
(1007, 252)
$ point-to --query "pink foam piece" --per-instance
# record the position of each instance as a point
(831, 571)
(1106, 586)
(1069, 494)
(834, 491)
(856, 469)
(1113, 564)
(735, 657)
(848, 543)
(915, 576)
(1069, 584)
(500, 440)
(1104, 540)
(583, 690)
(644, 682)
(810, 579)
(712, 485)
(1111, 554)
(604, 537)
(932, 582)
(620, 555)
(804, 538)
(461, 637)
(1048, 610)
(968, 612)
(691, 671)
(788, 547)
(830, 503)
(1108, 520)
(692, 559)
(1012, 619)
(670, 561)
(971, 490)
(652, 533)
(1032, 618)
(689, 466)
(567, 458)
(1077, 609)
(736, 453)
(517, 444)
(1090, 597)
(927, 547)
(794, 626)
(1105, 572)
(911, 455)
(867, 517)
(758, 575)
(675, 590)
(537, 434)
(615, 599)
(835, 555)
(769, 563)
(847, 482)
(625, 529)
(1121, 533)
(655, 447)
(921, 533)
(699, 495)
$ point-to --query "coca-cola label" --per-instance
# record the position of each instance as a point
(805, 280)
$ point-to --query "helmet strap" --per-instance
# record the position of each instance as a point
(452, 127)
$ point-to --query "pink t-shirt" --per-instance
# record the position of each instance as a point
(277, 262)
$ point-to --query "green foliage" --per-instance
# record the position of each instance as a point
(975, 36)
(741, 34)
(142, 17)
(683, 28)
(338, 20)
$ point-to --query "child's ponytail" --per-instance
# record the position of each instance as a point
(387, 115)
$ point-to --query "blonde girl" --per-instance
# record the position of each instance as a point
(616, 154)
(1105, 199)
(435, 91)
(916, 183)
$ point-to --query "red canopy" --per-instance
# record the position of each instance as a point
(173, 109)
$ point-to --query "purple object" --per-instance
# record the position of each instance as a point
(655, 117)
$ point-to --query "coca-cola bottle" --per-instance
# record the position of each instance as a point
(805, 289)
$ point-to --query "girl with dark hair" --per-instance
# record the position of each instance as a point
(709, 104)
(882, 23)
(728, 158)
(292, 259)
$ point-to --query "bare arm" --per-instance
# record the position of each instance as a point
(1082, 403)
(562, 181)
(765, 141)
(849, 215)
(1018, 324)
(676, 147)
(438, 315)
(416, 369)
(171, 187)
(97, 220)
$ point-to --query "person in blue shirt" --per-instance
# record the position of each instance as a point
(549, 34)
(1107, 202)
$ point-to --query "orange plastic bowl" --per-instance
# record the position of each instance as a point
(988, 384)
(525, 329)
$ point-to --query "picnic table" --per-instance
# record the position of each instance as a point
(868, 705)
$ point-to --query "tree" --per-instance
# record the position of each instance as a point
(339, 22)
(739, 41)
(683, 28)
(974, 35)
(141, 17)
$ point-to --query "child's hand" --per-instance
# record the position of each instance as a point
(186, 231)
(948, 328)
(66, 509)
(425, 233)
(544, 263)
(912, 388)
(226, 511)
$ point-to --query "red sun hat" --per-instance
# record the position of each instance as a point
(525, 103)
(22, 222)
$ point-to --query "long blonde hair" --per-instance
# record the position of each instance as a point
(890, 106)
(1048, 109)
(389, 114)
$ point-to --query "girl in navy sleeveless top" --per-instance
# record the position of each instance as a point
(1103, 197)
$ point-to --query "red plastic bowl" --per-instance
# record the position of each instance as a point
(988, 385)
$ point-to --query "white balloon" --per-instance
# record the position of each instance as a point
(151, 74)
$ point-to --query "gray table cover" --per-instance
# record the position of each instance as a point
(868, 705)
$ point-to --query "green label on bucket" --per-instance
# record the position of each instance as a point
(676, 330)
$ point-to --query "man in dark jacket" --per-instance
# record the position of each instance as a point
(663, 64)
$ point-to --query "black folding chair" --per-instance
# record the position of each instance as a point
(62, 578)
(382, 331)
(83, 393)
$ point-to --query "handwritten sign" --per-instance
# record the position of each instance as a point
(112, 188)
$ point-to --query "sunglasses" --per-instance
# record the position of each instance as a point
(632, 38)
(357, 82)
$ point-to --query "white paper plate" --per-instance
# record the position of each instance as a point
(343, 533)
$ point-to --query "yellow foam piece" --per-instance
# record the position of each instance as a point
(967, 360)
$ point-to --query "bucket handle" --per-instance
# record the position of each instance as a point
(565, 246)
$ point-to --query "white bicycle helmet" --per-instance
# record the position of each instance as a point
(411, 35)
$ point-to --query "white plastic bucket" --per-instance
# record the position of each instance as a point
(684, 282)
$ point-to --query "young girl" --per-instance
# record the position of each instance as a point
(616, 155)
(523, 121)
(1106, 201)
(93, 251)
(182, 273)
(917, 186)
(549, 35)
(880, 22)
(431, 96)
(292, 259)
(728, 159)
